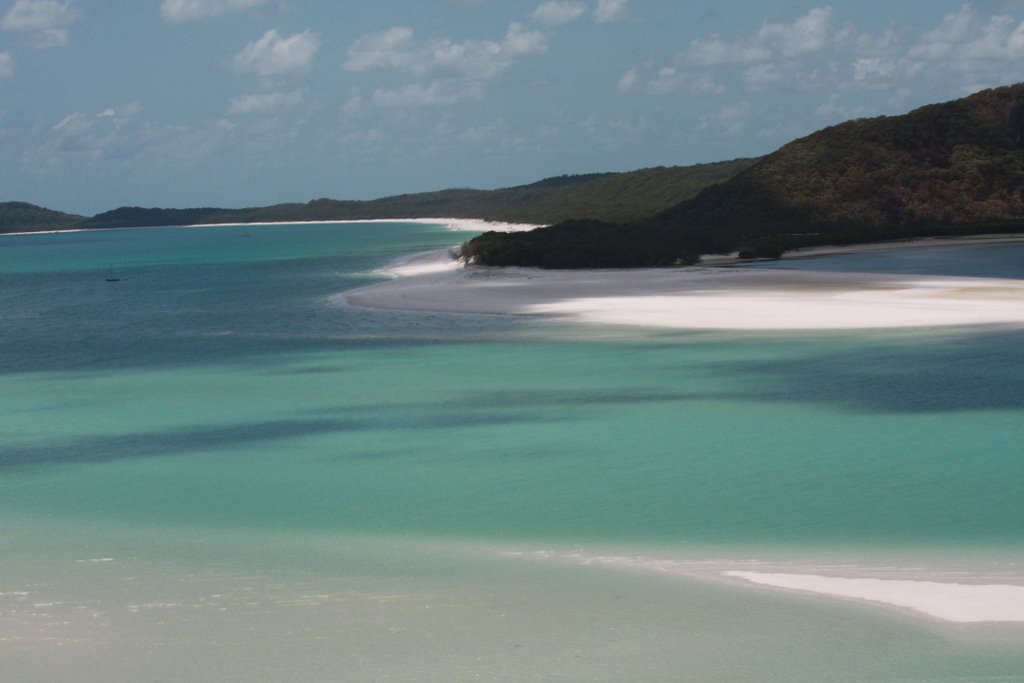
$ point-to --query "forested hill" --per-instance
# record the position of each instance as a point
(21, 216)
(606, 196)
(948, 168)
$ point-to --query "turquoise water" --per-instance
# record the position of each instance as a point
(218, 411)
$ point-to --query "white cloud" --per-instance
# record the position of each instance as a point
(435, 93)
(390, 49)
(365, 141)
(967, 49)
(955, 28)
(122, 114)
(354, 106)
(730, 119)
(629, 81)
(51, 37)
(397, 49)
(273, 55)
(6, 65)
(180, 11)
(558, 12)
(872, 67)
(122, 136)
(965, 37)
(611, 10)
(75, 123)
(264, 102)
(612, 135)
(110, 133)
(457, 71)
(45, 20)
(760, 76)
(848, 39)
(807, 34)
(496, 133)
(39, 15)
(521, 41)
(669, 80)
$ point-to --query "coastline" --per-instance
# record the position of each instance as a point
(916, 243)
(711, 296)
(934, 587)
(698, 297)
(453, 224)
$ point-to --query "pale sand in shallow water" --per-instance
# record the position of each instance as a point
(957, 602)
(973, 597)
(698, 298)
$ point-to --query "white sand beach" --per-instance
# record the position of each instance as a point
(961, 596)
(956, 602)
(453, 224)
(698, 297)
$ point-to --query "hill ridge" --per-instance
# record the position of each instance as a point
(628, 195)
(950, 168)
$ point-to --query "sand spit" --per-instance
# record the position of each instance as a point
(956, 602)
(454, 224)
(698, 298)
(972, 597)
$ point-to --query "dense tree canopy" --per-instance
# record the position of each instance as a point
(953, 168)
(601, 196)
(21, 216)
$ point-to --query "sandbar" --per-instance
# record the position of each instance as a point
(963, 595)
(700, 297)
(957, 602)
(454, 224)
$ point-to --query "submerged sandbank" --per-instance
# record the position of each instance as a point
(961, 596)
(699, 297)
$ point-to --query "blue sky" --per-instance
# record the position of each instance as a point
(252, 102)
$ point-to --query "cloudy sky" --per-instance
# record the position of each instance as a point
(251, 102)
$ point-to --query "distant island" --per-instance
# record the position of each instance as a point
(601, 196)
(25, 217)
(946, 169)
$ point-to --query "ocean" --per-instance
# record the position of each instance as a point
(214, 469)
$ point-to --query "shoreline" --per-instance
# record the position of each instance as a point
(959, 603)
(453, 224)
(922, 587)
(838, 249)
(700, 297)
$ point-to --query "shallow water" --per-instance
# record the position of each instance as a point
(349, 482)
(980, 260)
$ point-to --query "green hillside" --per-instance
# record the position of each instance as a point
(953, 168)
(24, 217)
(606, 196)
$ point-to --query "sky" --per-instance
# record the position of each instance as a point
(184, 103)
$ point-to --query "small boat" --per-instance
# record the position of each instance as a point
(111, 276)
